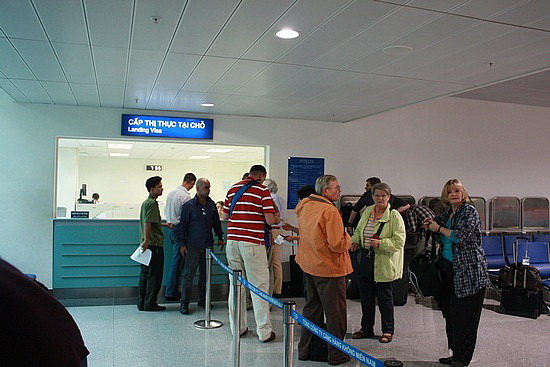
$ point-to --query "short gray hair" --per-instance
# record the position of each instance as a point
(201, 182)
(382, 186)
(322, 183)
(271, 185)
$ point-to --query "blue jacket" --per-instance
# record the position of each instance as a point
(196, 224)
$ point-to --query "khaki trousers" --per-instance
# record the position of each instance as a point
(275, 266)
(252, 260)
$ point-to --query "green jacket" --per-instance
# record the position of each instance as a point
(388, 262)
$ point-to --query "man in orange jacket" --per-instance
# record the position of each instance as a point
(324, 258)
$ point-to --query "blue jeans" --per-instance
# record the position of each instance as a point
(173, 282)
(195, 258)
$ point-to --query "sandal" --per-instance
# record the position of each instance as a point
(361, 334)
(386, 338)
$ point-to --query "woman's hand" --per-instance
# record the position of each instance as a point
(433, 226)
(426, 223)
(354, 246)
(375, 244)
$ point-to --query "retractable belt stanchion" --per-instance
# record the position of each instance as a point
(288, 336)
(207, 323)
(236, 318)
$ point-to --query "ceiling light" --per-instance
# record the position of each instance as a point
(397, 50)
(219, 150)
(199, 157)
(120, 146)
(119, 154)
(287, 34)
(207, 104)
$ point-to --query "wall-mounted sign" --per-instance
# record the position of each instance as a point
(80, 214)
(153, 167)
(301, 172)
(167, 127)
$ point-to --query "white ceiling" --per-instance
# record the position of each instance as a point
(110, 53)
(158, 151)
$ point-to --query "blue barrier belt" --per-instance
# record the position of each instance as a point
(323, 334)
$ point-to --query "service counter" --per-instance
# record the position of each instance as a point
(95, 253)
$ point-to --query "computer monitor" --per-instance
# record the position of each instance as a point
(82, 193)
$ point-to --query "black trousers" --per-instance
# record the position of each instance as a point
(195, 258)
(324, 296)
(150, 279)
(370, 291)
(461, 315)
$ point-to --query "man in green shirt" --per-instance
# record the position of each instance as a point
(151, 237)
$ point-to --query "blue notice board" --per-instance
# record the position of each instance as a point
(167, 127)
(301, 172)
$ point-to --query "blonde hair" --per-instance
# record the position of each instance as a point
(447, 188)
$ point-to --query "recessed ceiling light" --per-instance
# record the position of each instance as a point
(199, 157)
(287, 34)
(120, 146)
(207, 104)
(397, 50)
(219, 150)
(119, 154)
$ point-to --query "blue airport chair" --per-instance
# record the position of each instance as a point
(541, 237)
(492, 246)
(539, 256)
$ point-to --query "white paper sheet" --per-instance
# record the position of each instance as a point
(280, 240)
(142, 257)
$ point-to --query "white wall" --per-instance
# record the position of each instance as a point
(67, 178)
(495, 148)
(123, 179)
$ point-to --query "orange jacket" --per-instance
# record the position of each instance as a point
(324, 244)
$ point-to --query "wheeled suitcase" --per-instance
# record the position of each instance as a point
(401, 290)
(519, 301)
(296, 278)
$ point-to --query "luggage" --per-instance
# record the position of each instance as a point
(401, 290)
(522, 302)
(346, 212)
(525, 275)
(423, 272)
(318, 350)
(352, 289)
(296, 278)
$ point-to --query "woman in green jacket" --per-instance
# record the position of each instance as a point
(378, 243)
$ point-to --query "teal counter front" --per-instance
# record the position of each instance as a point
(95, 253)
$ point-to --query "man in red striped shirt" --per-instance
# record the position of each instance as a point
(245, 246)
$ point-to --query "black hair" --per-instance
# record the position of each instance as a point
(258, 169)
(95, 196)
(374, 180)
(305, 191)
(189, 177)
(245, 175)
(152, 182)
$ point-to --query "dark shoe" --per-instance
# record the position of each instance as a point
(446, 360)
(173, 298)
(249, 308)
(362, 335)
(457, 364)
(244, 332)
(271, 338)
(184, 308)
(140, 307)
(301, 358)
(339, 361)
(155, 308)
(277, 295)
(203, 305)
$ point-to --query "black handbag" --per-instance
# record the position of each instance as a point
(362, 260)
(423, 272)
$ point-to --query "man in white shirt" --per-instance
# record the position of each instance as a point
(174, 203)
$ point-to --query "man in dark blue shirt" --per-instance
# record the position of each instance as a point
(194, 235)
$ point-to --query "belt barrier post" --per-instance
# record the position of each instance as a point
(207, 323)
(288, 336)
(393, 363)
(236, 318)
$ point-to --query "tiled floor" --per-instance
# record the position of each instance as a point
(120, 335)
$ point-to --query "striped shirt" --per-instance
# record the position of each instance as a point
(368, 232)
(247, 222)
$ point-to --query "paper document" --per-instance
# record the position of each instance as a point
(280, 240)
(142, 257)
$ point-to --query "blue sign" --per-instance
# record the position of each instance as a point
(167, 127)
(301, 172)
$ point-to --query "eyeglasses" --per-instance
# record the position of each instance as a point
(336, 187)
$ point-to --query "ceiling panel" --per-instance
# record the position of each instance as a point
(72, 29)
(110, 64)
(194, 34)
(111, 95)
(18, 20)
(86, 94)
(33, 90)
(40, 57)
(13, 91)
(250, 20)
(207, 73)
(60, 92)
(11, 63)
(76, 61)
(487, 9)
(176, 70)
(156, 36)
(268, 78)
(527, 13)
(239, 73)
(144, 66)
(109, 22)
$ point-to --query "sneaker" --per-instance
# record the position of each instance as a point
(271, 338)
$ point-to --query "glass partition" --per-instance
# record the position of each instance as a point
(504, 214)
(534, 213)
